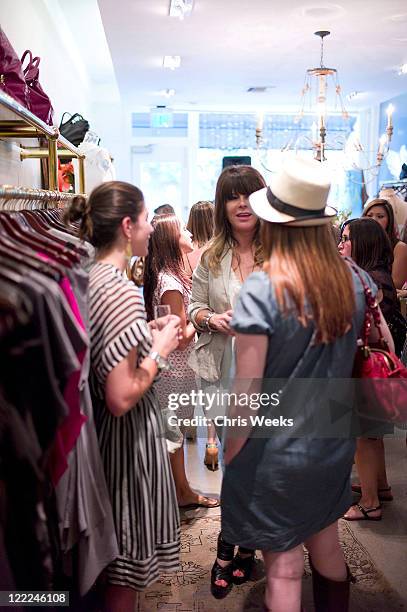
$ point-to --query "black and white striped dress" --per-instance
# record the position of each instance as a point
(134, 454)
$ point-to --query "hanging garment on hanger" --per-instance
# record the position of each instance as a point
(48, 350)
(98, 165)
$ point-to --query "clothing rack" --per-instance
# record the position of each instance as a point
(20, 198)
(399, 187)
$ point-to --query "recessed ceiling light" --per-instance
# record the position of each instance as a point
(171, 61)
(180, 8)
(260, 88)
(403, 69)
(167, 92)
(322, 10)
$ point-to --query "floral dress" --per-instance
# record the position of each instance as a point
(180, 378)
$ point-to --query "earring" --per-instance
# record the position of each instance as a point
(129, 250)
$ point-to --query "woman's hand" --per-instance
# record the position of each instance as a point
(221, 322)
(161, 322)
(167, 339)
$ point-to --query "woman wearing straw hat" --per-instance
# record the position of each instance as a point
(299, 318)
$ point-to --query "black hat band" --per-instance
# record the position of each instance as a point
(288, 209)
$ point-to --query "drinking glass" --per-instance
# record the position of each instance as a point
(161, 311)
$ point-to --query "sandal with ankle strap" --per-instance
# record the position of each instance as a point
(224, 552)
(365, 514)
(243, 564)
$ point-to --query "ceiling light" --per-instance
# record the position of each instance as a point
(171, 61)
(403, 69)
(180, 8)
(323, 91)
(260, 89)
(167, 92)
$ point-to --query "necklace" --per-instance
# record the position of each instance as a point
(240, 269)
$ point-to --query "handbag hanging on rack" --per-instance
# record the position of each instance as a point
(382, 391)
(74, 128)
(12, 80)
(39, 103)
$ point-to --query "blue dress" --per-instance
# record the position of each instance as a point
(290, 481)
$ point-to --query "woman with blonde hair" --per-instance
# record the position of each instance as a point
(289, 485)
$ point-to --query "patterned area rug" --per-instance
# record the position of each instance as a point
(188, 589)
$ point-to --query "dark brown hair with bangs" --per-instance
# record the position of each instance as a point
(233, 181)
(310, 278)
(164, 255)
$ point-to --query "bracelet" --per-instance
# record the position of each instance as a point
(206, 322)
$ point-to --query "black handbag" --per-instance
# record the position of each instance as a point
(74, 128)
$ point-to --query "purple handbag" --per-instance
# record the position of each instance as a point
(39, 102)
(12, 80)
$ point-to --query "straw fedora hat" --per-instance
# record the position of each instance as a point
(297, 195)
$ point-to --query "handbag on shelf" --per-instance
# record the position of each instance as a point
(39, 103)
(12, 80)
(74, 128)
(382, 391)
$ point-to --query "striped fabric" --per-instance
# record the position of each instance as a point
(133, 447)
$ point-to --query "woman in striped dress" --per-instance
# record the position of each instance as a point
(126, 355)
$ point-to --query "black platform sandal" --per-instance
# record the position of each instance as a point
(243, 564)
(224, 552)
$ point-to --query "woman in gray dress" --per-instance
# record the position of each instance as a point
(287, 483)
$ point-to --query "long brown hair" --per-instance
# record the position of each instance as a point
(200, 222)
(370, 244)
(164, 255)
(310, 278)
(391, 226)
(233, 181)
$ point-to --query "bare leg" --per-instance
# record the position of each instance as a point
(211, 433)
(367, 459)
(120, 599)
(284, 573)
(185, 494)
(326, 553)
(382, 481)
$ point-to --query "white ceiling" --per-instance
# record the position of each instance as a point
(229, 45)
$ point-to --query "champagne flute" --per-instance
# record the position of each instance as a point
(162, 310)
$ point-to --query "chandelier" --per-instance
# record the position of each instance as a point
(321, 95)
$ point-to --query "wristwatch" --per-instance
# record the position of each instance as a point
(162, 363)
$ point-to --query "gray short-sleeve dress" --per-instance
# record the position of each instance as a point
(285, 486)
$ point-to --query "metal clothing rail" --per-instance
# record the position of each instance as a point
(19, 198)
(25, 124)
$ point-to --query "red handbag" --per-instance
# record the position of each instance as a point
(12, 80)
(382, 391)
(39, 102)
